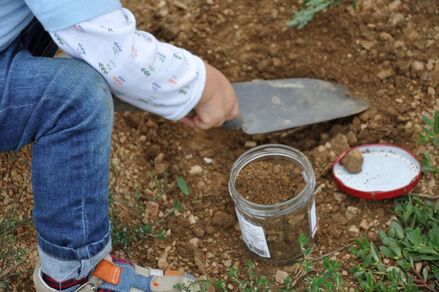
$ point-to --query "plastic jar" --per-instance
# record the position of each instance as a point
(272, 231)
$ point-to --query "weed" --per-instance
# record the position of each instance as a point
(329, 280)
(308, 10)
(181, 183)
(430, 136)
(408, 257)
(10, 254)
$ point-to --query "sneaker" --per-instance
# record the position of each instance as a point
(118, 275)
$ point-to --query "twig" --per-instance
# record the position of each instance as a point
(333, 252)
(420, 282)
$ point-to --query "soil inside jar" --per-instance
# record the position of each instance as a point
(268, 182)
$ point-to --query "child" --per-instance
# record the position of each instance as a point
(65, 107)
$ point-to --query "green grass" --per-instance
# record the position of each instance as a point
(407, 258)
(309, 9)
(430, 136)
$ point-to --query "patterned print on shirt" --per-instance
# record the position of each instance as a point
(81, 50)
(117, 48)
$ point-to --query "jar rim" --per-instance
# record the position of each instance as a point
(272, 150)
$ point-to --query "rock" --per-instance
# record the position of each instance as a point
(195, 169)
(280, 276)
(354, 229)
(351, 212)
(151, 212)
(339, 144)
(208, 160)
(386, 36)
(352, 138)
(435, 76)
(210, 230)
(430, 64)
(397, 19)
(395, 5)
(364, 224)
(162, 262)
(372, 236)
(416, 67)
(194, 241)
(353, 161)
(223, 219)
(339, 197)
(386, 73)
(199, 231)
(431, 92)
(192, 219)
(227, 263)
(339, 219)
(200, 260)
(250, 144)
(367, 45)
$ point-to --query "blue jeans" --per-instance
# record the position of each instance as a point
(65, 108)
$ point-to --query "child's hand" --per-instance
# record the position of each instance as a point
(217, 104)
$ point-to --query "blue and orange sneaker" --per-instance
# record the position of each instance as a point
(118, 275)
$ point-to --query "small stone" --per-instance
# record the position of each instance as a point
(151, 212)
(339, 144)
(430, 64)
(417, 67)
(142, 138)
(399, 100)
(367, 45)
(250, 144)
(339, 219)
(353, 161)
(386, 36)
(199, 231)
(364, 224)
(339, 197)
(195, 169)
(372, 235)
(351, 212)
(344, 273)
(352, 138)
(162, 262)
(223, 219)
(431, 92)
(192, 219)
(394, 5)
(227, 263)
(397, 19)
(208, 160)
(281, 276)
(386, 73)
(200, 260)
(354, 229)
(194, 241)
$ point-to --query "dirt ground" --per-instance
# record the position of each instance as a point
(385, 51)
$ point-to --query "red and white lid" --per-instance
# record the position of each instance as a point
(387, 172)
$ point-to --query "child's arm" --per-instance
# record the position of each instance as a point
(152, 75)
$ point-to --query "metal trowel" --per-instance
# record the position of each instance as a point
(274, 105)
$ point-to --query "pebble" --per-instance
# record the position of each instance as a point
(250, 144)
(199, 231)
(151, 212)
(192, 219)
(223, 219)
(339, 197)
(431, 92)
(354, 229)
(194, 241)
(386, 36)
(394, 5)
(280, 276)
(351, 212)
(397, 19)
(364, 224)
(195, 169)
(386, 73)
(162, 262)
(367, 45)
(417, 66)
(208, 160)
(227, 263)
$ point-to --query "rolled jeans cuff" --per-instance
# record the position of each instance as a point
(64, 269)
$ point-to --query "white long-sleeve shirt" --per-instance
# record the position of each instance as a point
(152, 75)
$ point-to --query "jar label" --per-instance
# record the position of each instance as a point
(312, 213)
(254, 236)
